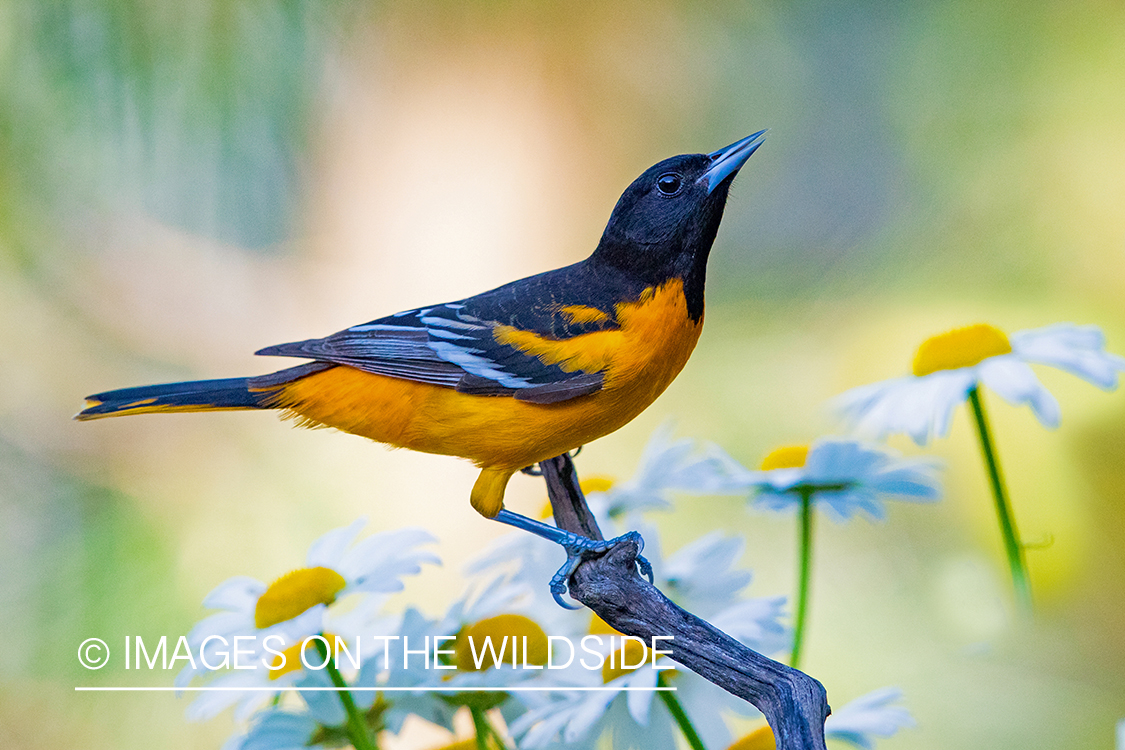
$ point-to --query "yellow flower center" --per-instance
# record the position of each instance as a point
(295, 592)
(961, 347)
(596, 483)
(630, 654)
(293, 657)
(633, 654)
(598, 626)
(513, 627)
(786, 457)
(760, 739)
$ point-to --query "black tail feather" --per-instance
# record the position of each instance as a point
(196, 395)
(199, 395)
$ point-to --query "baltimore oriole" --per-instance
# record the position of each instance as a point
(516, 375)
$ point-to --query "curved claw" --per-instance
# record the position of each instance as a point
(579, 549)
(642, 563)
(646, 569)
(557, 596)
(560, 580)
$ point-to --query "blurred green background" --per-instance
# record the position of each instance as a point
(183, 183)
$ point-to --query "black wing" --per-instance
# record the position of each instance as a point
(453, 344)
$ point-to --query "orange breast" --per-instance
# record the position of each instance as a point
(639, 361)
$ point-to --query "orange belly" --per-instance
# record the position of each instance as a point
(499, 433)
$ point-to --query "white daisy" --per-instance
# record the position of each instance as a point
(867, 717)
(295, 606)
(524, 563)
(321, 722)
(668, 466)
(629, 710)
(276, 729)
(495, 610)
(843, 476)
(578, 720)
(702, 578)
(946, 367)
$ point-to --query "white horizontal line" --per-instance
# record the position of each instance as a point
(444, 689)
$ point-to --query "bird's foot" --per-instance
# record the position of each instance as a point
(578, 550)
(581, 549)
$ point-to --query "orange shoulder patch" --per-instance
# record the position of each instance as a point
(590, 352)
(583, 314)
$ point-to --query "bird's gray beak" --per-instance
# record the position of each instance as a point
(727, 161)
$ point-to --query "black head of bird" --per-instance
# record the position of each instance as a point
(665, 222)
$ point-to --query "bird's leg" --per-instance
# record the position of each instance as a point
(578, 549)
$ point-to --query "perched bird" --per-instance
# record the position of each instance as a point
(516, 375)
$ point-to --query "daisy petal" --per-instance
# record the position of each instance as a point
(540, 726)
(222, 623)
(756, 623)
(867, 716)
(920, 407)
(842, 505)
(1079, 350)
(951, 388)
(1014, 382)
(587, 714)
(702, 576)
(778, 479)
(640, 701)
(377, 563)
(237, 594)
(831, 460)
(250, 704)
(846, 476)
(711, 472)
(210, 704)
(771, 499)
(277, 730)
(911, 479)
(855, 406)
(323, 706)
(328, 549)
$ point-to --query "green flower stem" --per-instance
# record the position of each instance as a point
(480, 724)
(357, 728)
(806, 493)
(678, 713)
(1012, 545)
(500, 741)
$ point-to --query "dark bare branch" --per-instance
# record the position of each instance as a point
(567, 501)
(794, 704)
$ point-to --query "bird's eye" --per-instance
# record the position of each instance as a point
(669, 184)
